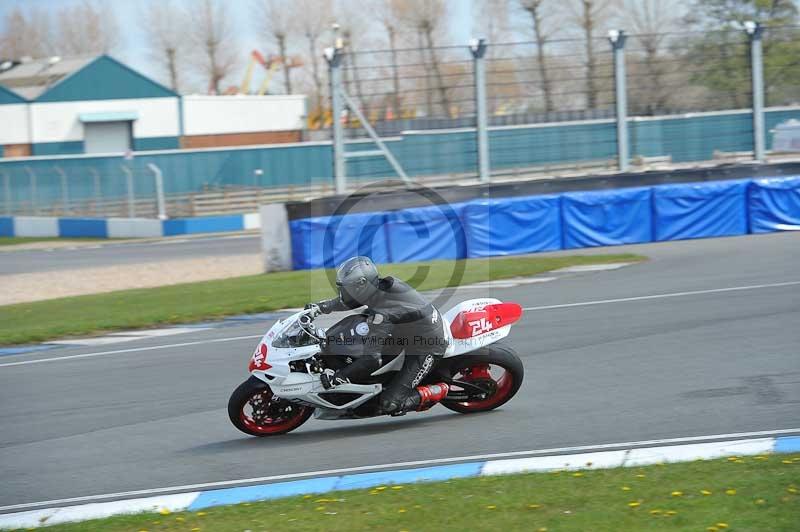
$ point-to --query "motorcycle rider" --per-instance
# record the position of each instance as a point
(394, 311)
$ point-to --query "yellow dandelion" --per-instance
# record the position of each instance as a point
(306, 496)
(712, 529)
(401, 511)
(417, 506)
(640, 475)
(164, 511)
(791, 489)
(786, 462)
(534, 506)
(196, 529)
(730, 491)
(320, 508)
(705, 492)
(671, 512)
(677, 494)
(143, 530)
(322, 500)
(626, 488)
(797, 459)
(373, 492)
(722, 525)
(541, 529)
(634, 504)
(578, 474)
(761, 457)
(760, 501)
(397, 487)
(732, 458)
(655, 511)
(180, 519)
(380, 488)
(491, 507)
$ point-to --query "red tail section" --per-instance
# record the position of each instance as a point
(468, 324)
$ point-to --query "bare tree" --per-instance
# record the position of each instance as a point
(541, 34)
(428, 18)
(214, 42)
(650, 22)
(25, 34)
(276, 23)
(88, 27)
(162, 22)
(314, 20)
(591, 17)
(390, 20)
(491, 19)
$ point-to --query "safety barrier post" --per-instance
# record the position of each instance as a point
(160, 203)
(64, 189)
(333, 56)
(32, 186)
(478, 49)
(7, 192)
(754, 30)
(97, 189)
(617, 39)
(129, 191)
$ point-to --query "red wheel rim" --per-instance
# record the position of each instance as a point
(502, 378)
(266, 416)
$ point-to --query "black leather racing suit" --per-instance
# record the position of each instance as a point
(398, 312)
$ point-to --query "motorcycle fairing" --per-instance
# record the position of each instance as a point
(481, 323)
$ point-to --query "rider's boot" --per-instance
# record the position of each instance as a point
(426, 397)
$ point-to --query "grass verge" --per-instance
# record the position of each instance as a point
(183, 303)
(16, 240)
(753, 493)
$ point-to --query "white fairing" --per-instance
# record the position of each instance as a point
(272, 365)
(485, 334)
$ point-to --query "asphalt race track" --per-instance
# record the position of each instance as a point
(625, 367)
(126, 252)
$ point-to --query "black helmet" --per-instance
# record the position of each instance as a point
(357, 279)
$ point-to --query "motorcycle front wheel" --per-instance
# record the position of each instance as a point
(496, 368)
(254, 410)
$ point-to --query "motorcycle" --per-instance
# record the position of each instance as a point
(284, 389)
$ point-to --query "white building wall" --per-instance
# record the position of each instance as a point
(214, 115)
(14, 124)
(59, 122)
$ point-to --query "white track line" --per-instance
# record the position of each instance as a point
(132, 350)
(664, 296)
(546, 307)
(394, 465)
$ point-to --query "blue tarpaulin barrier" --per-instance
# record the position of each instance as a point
(700, 210)
(426, 233)
(512, 226)
(326, 241)
(774, 204)
(607, 217)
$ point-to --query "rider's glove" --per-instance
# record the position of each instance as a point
(314, 308)
(329, 379)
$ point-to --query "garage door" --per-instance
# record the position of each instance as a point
(107, 137)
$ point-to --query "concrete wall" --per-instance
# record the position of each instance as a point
(215, 115)
(14, 124)
(59, 121)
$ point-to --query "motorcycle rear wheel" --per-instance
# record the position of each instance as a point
(254, 410)
(496, 367)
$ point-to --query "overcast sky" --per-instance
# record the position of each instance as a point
(132, 50)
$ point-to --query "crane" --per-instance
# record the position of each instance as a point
(270, 65)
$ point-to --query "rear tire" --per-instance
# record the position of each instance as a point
(506, 385)
(267, 415)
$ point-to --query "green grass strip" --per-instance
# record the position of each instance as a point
(183, 303)
(16, 240)
(751, 493)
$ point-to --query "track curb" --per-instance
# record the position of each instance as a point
(626, 456)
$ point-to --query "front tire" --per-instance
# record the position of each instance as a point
(254, 410)
(497, 367)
